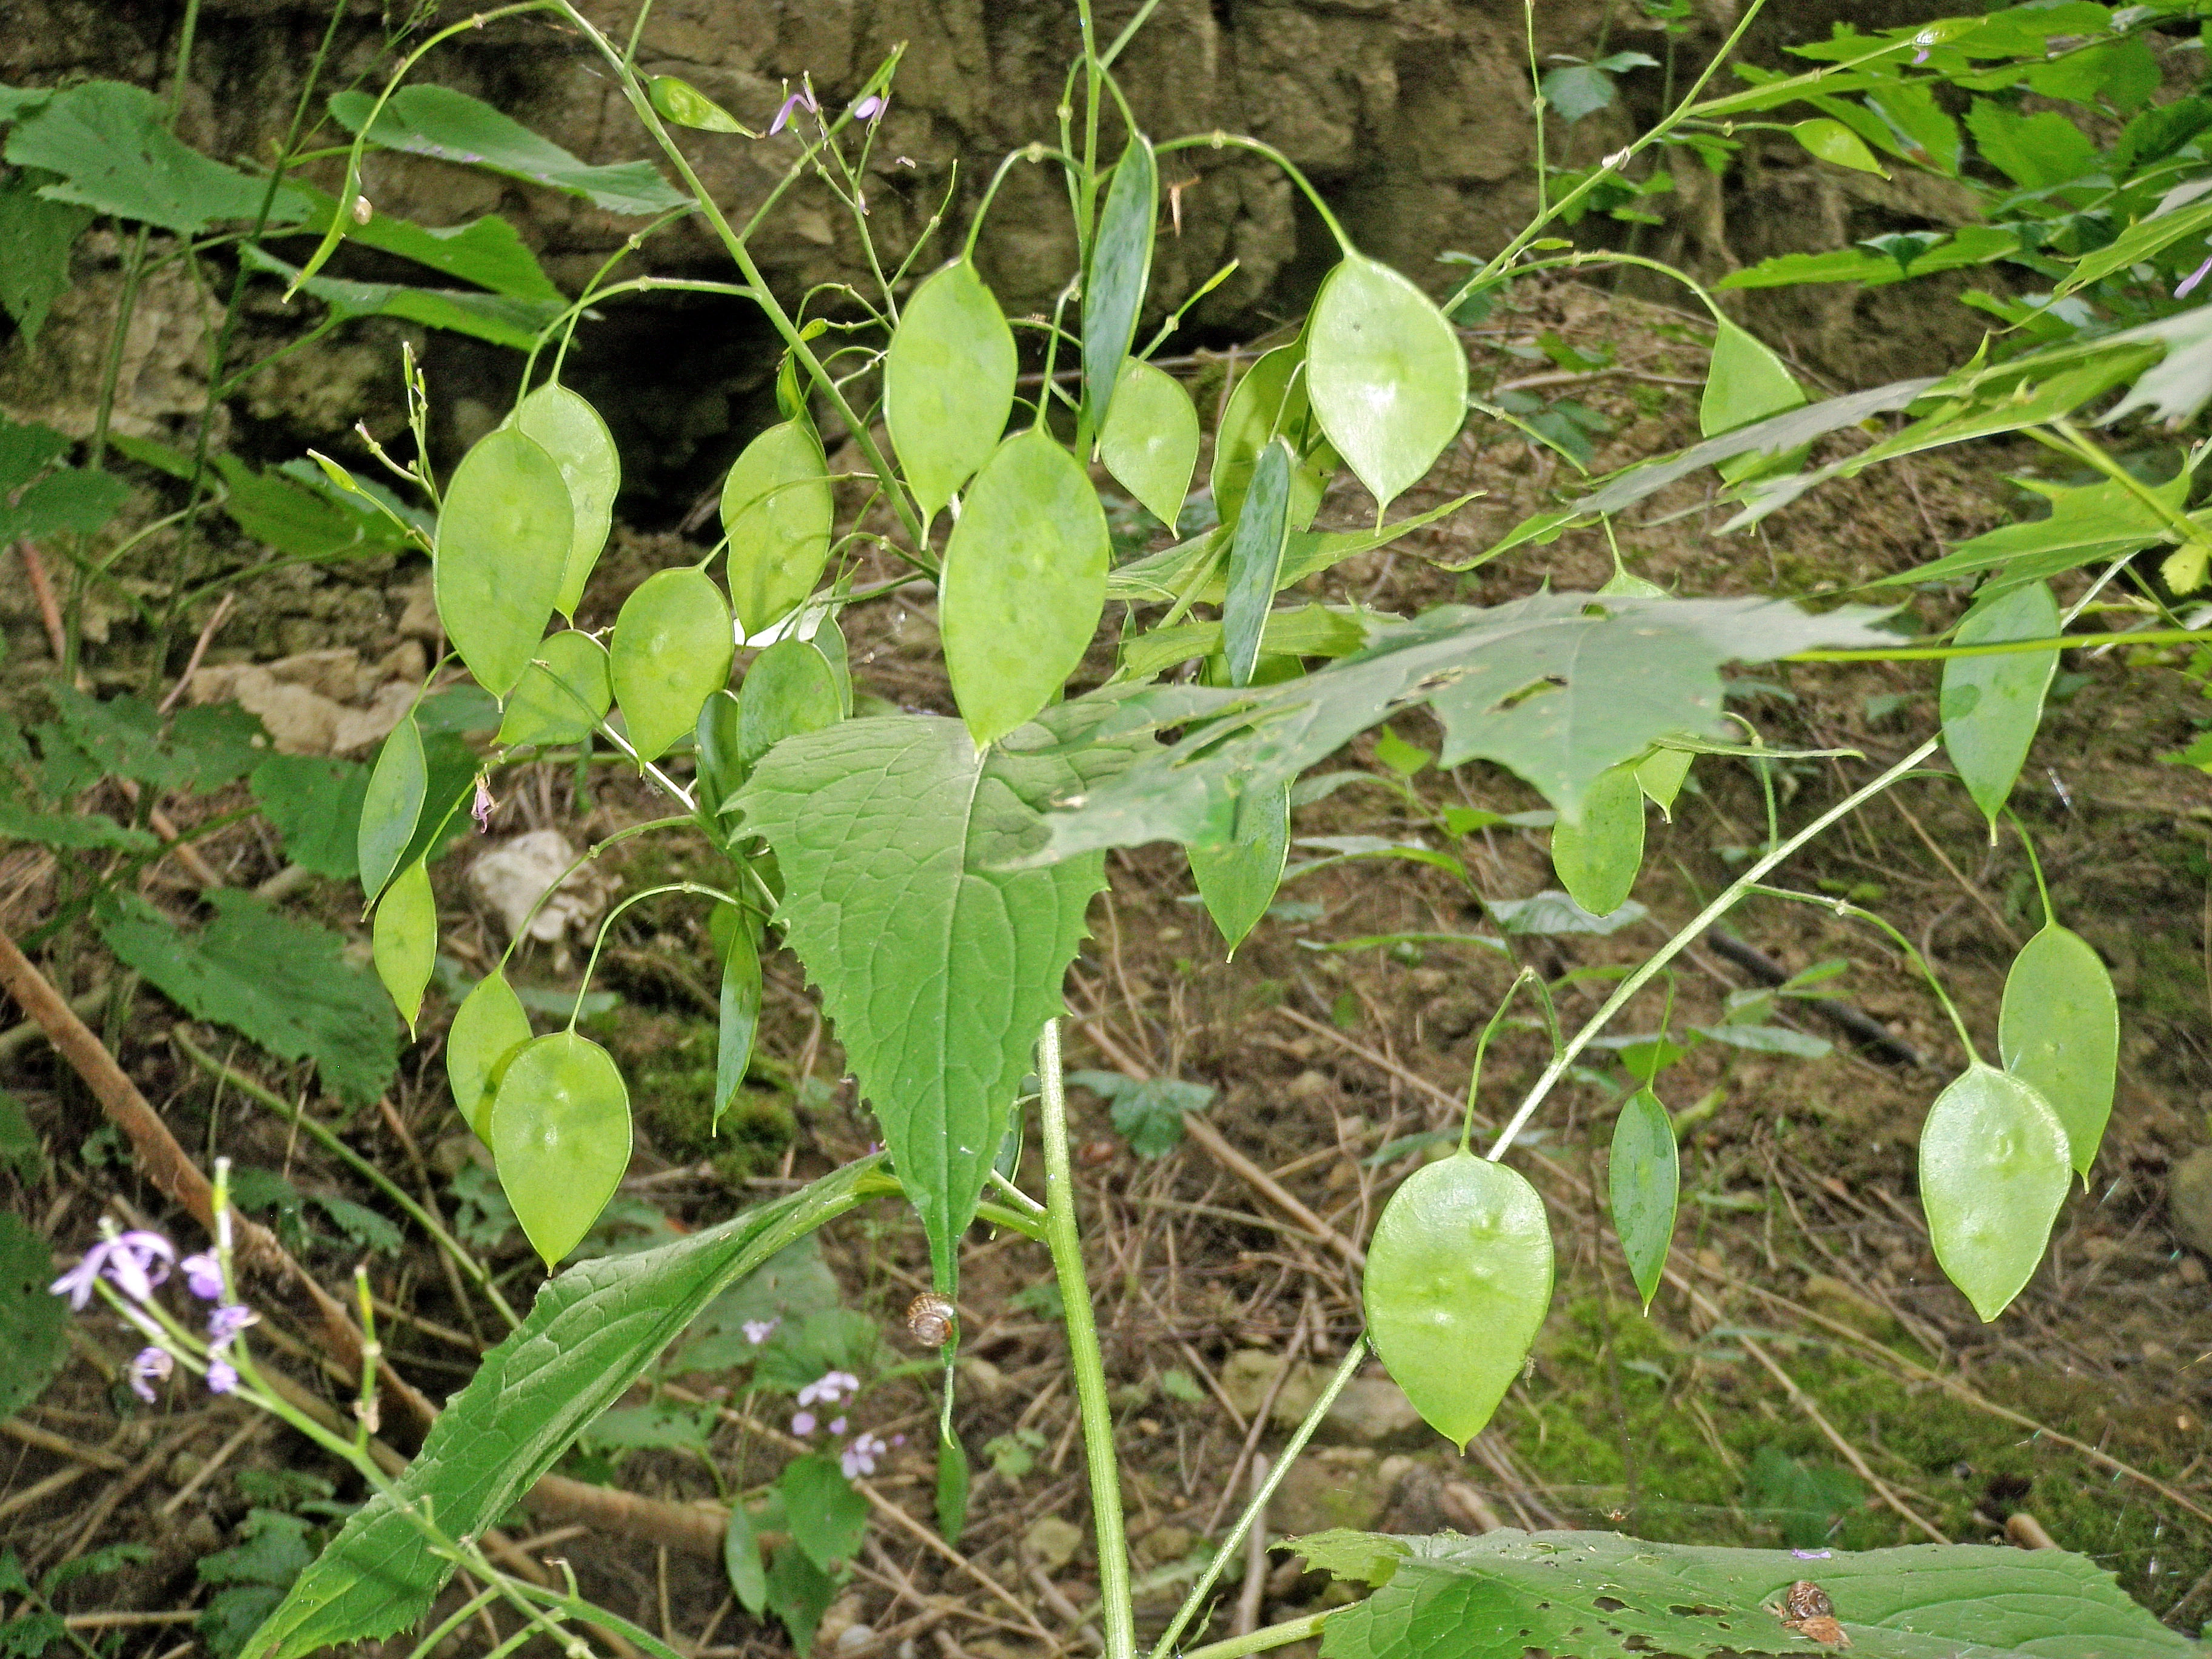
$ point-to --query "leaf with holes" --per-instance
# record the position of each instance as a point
(1601, 1595)
(1560, 687)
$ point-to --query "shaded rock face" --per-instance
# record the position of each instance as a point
(1410, 117)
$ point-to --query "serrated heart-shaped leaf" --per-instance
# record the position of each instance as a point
(1458, 1281)
(937, 965)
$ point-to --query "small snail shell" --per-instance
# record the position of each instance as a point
(931, 1319)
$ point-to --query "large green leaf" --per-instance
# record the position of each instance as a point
(498, 318)
(34, 1323)
(319, 1005)
(948, 383)
(590, 1335)
(1600, 1596)
(938, 963)
(488, 251)
(428, 120)
(36, 236)
(1557, 687)
(2087, 522)
(114, 152)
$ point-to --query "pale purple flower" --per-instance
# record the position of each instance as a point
(870, 107)
(802, 1424)
(836, 1425)
(226, 1322)
(137, 1261)
(801, 99)
(76, 1283)
(830, 1388)
(203, 1275)
(480, 809)
(758, 1331)
(2187, 284)
(222, 1375)
(859, 1458)
(1812, 1555)
(151, 1366)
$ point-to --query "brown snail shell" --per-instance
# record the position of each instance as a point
(931, 1319)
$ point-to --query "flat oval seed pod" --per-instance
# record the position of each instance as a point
(1386, 372)
(1120, 267)
(504, 539)
(1645, 1178)
(791, 688)
(948, 383)
(686, 104)
(571, 432)
(564, 701)
(1994, 1170)
(405, 941)
(1271, 399)
(1025, 582)
(778, 511)
(1256, 560)
(560, 1136)
(393, 805)
(1238, 880)
(672, 652)
(1597, 859)
(1991, 705)
(738, 1009)
(1150, 439)
(1458, 1281)
(490, 1024)
(2059, 1032)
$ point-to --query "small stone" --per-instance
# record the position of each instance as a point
(1246, 1376)
(2191, 1270)
(183, 1466)
(1051, 1541)
(854, 1638)
(1374, 1411)
(1336, 1486)
(1309, 1084)
(1164, 1544)
(841, 1615)
(2189, 1200)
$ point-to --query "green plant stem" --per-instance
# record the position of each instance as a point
(1117, 1613)
(698, 889)
(734, 245)
(1706, 918)
(1219, 140)
(2004, 647)
(1273, 1636)
(1621, 158)
(1845, 908)
(1354, 1357)
(328, 1140)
